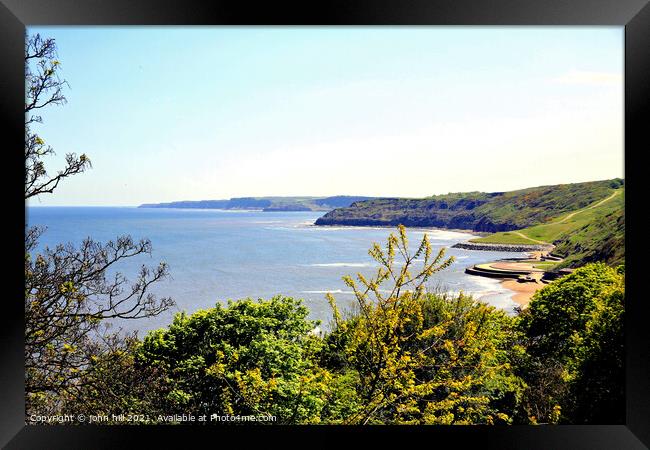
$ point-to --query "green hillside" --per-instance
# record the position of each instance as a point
(594, 233)
(585, 221)
(477, 211)
(602, 239)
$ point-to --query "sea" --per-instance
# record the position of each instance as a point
(219, 255)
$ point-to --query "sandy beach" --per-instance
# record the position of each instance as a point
(523, 291)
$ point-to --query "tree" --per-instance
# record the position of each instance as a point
(44, 87)
(573, 332)
(422, 357)
(67, 296)
(246, 358)
(69, 291)
(116, 385)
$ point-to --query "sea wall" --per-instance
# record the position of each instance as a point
(503, 247)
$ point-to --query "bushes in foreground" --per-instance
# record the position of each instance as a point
(403, 356)
(247, 358)
(573, 334)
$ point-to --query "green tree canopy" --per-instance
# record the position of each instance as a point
(247, 358)
(575, 325)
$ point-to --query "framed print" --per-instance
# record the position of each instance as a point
(315, 220)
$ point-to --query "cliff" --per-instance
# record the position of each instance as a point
(476, 211)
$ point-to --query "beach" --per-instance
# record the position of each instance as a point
(523, 291)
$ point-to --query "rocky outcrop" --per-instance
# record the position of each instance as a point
(503, 247)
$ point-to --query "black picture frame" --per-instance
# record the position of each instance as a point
(634, 15)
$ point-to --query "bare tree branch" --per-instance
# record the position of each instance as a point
(44, 87)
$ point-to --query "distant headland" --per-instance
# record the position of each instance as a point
(269, 204)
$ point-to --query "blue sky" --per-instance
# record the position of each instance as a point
(176, 113)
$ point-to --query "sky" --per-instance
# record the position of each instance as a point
(197, 113)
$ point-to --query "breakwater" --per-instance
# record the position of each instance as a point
(504, 247)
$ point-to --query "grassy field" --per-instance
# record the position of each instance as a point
(506, 237)
(545, 265)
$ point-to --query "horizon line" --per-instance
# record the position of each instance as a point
(312, 196)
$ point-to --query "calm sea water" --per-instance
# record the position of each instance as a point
(217, 255)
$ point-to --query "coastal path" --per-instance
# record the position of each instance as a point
(585, 209)
(567, 217)
(530, 239)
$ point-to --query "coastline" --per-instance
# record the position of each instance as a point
(455, 230)
(522, 292)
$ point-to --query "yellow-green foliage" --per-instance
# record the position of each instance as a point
(405, 356)
(421, 357)
(410, 356)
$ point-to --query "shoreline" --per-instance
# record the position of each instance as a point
(522, 292)
(455, 230)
